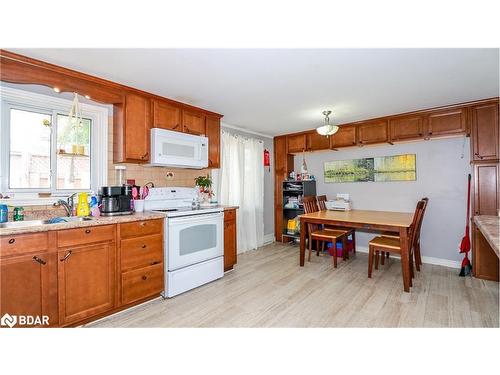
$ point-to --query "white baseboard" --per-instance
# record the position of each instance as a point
(268, 238)
(425, 259)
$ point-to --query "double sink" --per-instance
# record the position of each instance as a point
(34, 223)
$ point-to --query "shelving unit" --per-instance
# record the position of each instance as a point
(295, 189)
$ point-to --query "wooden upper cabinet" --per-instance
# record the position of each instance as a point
(296, 143)
(213, 134)
(373, 132)
(406, 128)
(280, 154)
(485, 132)
(486, 199)
(446, 122)
(132, 124)
(166, 115)
(193, 122)
(87, 281)
(346, 136)
(315, 141)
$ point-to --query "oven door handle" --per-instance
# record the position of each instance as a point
(193, 218)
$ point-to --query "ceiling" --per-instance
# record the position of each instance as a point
(276, 91)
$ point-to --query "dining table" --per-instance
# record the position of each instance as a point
(399, 222)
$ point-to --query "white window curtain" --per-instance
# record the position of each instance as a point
(241, 183)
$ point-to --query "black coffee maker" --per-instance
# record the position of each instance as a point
(116, 200)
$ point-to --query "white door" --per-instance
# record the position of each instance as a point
(194, 239)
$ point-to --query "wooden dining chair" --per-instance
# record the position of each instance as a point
(418, 257)
(316, 233)
(321, 199)
(382, 244)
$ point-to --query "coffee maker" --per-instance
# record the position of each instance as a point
(116, 200)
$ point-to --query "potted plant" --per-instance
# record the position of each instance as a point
(204, 184)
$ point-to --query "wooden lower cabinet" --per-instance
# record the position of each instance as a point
(230, 241)
(141, 283)
(485, 262)
(86, 281)
(486, 192)
(29, 287)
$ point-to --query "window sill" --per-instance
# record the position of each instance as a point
(13, 202)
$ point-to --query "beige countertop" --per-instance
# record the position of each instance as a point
(490, 228)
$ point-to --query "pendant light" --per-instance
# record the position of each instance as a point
(327, 129)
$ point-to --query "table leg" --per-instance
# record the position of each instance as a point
(303, 230)
(405, 259)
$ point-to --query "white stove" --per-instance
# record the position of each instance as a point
(193, 239)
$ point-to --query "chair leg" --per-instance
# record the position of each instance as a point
(334, 240)
(322, 246)
(345, 251)
(310, 249)
(382, 258)
(317, 248)
(370, 261)
(376, 259)
(354, 242)
(418, 259)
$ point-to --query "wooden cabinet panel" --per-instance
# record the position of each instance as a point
(23, 243)
(283, 164)
(86, 282)
(446, 122)
(230, 242)
(137, 124)
(141, 252)
(373, 132)
(166, 115)
(230, 215)
(213, 134)
(485, 188)
(485, 132)
(406, 128)
(141, 228)
(484, 260)
(296, 143)
(345, 137)
(317, 141)
(82, 236)
(29, 286)
(142, 283)
(193, 122)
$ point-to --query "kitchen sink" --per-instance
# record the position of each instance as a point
(34, 223)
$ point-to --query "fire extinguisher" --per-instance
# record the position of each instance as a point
(267, 160)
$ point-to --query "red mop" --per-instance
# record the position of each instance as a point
(465, 244)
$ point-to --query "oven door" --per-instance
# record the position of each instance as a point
(194, 239)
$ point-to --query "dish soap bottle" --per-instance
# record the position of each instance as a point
(82, 209)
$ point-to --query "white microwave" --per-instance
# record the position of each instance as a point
(174, 149)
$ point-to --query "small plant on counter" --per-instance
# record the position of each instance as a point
(204, 184)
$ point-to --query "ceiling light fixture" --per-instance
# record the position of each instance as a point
(327, 129)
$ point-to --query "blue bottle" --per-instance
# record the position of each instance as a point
(4, 213)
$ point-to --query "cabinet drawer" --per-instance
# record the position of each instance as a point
(23, 243)
(142, 283)
(141, 228)
(83, 236)
(141, 251)
(229, 215)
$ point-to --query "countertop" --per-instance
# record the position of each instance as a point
(490, 228)
(102, 220)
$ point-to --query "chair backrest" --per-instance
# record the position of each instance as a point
(310, 204)
(416, 223)
(321, 202)
(419, 226)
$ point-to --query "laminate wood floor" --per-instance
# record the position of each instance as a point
(268, 289)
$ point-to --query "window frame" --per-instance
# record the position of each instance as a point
(29, 101)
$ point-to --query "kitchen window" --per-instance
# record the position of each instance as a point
(41, 151)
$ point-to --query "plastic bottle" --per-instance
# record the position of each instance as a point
(4, 213)
(83, 208)
(94, 207)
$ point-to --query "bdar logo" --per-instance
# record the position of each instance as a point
(8, 320)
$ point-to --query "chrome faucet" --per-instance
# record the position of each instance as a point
(68, 204)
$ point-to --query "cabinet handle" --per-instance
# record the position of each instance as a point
(430, 133)
(38, 260)
(143, 223)
(176, 126)
(145, 155)
(144, 277)
(155, 262)
(420, 134)
(68, 254)
(143, 246)
(12, 240)
(87, 231)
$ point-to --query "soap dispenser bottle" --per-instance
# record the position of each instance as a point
(82, 209)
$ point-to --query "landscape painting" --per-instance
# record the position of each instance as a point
(378, 169)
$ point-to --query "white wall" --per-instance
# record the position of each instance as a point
(441, 176)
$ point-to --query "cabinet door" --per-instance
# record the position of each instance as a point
(485, 132)
(213, 134)
(317, 141)
(193, 122)
(137, 128)
(484, 260)
(229, 244)
(86, 281)
(406, 128)
(29, 286)
(446, 122)
(373, 132)
(166, 116)
(345, 137)
(486, 188)
(296, 143)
